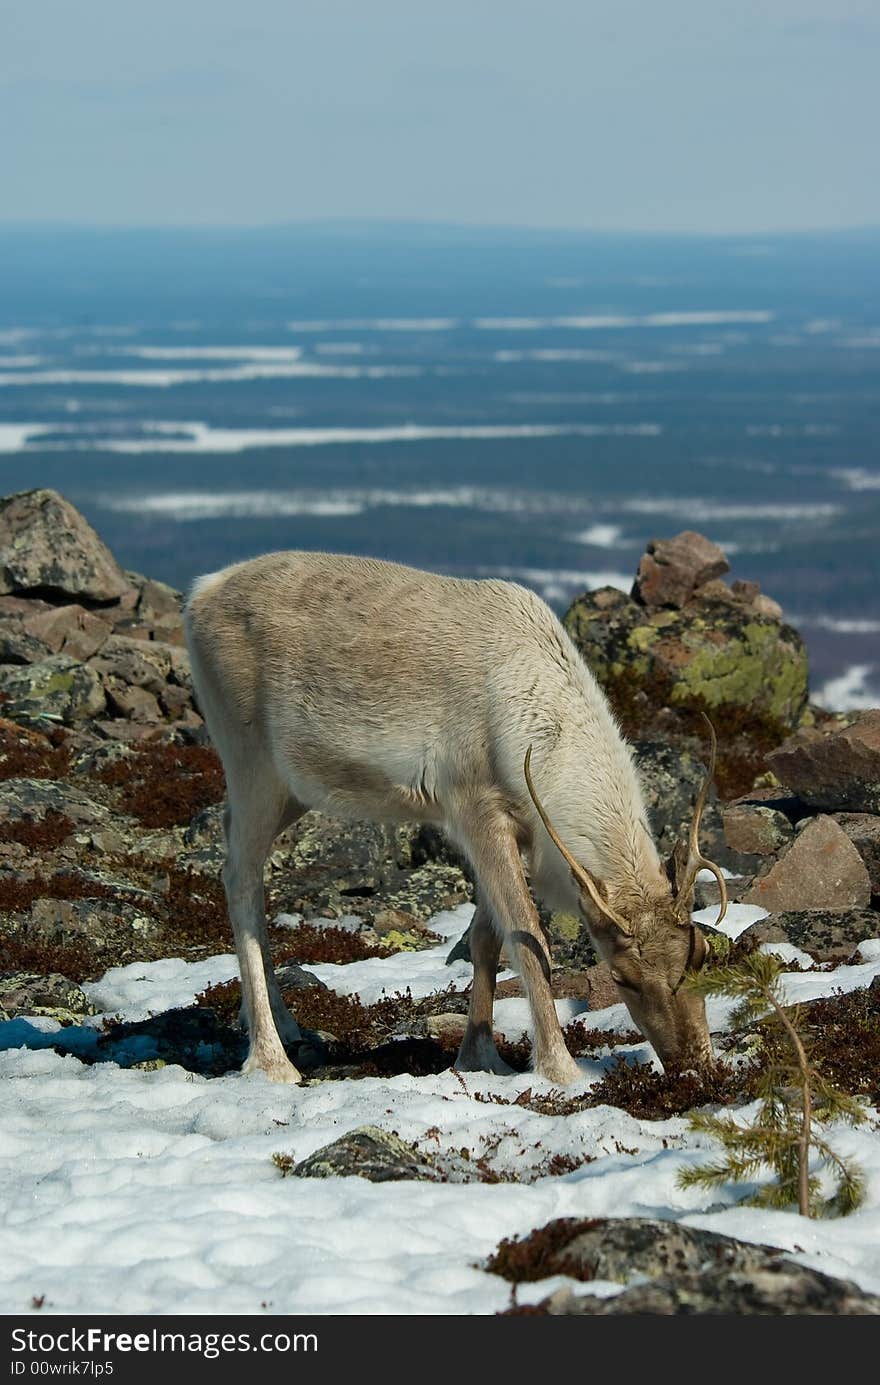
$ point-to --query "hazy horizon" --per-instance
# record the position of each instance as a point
(643, 118)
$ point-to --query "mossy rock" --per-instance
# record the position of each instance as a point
(54, 690)
(659, 668)
(711, 655)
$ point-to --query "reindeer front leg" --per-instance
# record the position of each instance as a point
(478, 1052)
(489, 836)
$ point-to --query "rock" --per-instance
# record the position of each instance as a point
(838, 771)
(135, 703)
(28, 993)
(681, 1269)
(671, 776)
(33, 799)
(828, 935)
(140, 664)
(55, 689)
(863, 830)
(820, 870)
(292, 977)
(325, 866)
(672, 569)
(69, 630)
(745, 670)
(100, 923)
(781, 1288)
(46, 546)
(448, 1029)
(755, 829)
(371, 1153)
(18, 647)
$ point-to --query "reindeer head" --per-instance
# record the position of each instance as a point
(651, 943)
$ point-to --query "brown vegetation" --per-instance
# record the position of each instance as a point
(166, 785)
(44, 834)
(26, 754)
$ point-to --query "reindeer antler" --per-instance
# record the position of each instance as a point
(696, 859)
(580, 873)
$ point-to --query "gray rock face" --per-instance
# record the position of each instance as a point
(671, 570)
(820, 870)
(839, 771)
(687, 1271)
(368, 1152)
(828, 935)
(56, 689)
(47, 546)
(34, 798)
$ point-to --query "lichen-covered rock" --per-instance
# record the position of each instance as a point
(820, 870)
(326, 866)
(55, 689)
(53, 995)
(99, 923)
(826, 934)
(714, 655)
(671, 775)
(756, 829)
(838, 771)
(677, 1269)
(33, 799)
(46, 546)
(18, 647)
(368, 1152)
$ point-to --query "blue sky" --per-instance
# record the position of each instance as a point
(688, 115)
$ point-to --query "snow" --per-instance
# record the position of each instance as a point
(154, 1191)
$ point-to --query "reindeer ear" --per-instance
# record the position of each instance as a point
(699, 953)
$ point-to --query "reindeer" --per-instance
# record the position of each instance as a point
(374, 691)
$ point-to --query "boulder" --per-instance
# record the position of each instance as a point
(672, 775)
(829, 935)
(367, 1152)
(755, 829)
(18, 647)
(46, 546)
(677, 1270)
(671, 570)
(820, 870)
(28, 993)
(838, 771)
(141, 664)
(863, 830)
(659, 665)
(69, 630)
(54, 689)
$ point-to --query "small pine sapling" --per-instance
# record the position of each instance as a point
(797, 1102)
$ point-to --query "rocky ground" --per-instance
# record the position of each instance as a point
(111, 833)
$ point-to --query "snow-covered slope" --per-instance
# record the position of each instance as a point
(130, 1191)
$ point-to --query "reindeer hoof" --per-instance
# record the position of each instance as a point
(561, 1070)
(275, 1069)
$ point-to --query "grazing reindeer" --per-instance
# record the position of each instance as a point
(374, 691)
